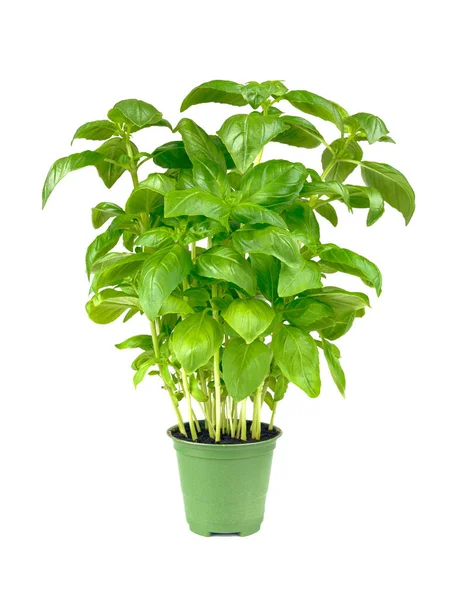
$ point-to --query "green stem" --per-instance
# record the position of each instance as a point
(243, 420)
(273, 412)
(129, 150)
(185, 385)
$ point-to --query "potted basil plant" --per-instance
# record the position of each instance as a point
(220, 253)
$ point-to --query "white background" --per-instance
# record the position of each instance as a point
(90, 500)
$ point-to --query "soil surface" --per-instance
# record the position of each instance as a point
(204, 438)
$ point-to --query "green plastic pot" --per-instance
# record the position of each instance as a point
(224, 485)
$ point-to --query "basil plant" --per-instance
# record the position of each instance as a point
(220, 251)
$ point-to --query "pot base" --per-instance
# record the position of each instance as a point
(199, 529)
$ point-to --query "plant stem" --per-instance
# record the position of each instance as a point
(185, 385)
(217, 395)
(273, 412)
(243, 420)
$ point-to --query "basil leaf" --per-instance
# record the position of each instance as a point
(328, 212)
(148, 195)
(160, 275)
(373, 127)
(155, 238)
(108, 305)
(273, 241)
(340, 300)
(309, 314)
(115, 149)
(317, 106)
(144, 342)
(393, 186)
(342, 150)
(101, 246)
(113, 273)
(273, 182)
(303, 224)
(350, 262)
(96, 130)
(332, 355)
(296, 355)
(367, 197)
(250, 214)
(305, 275)
(171, 155)
(245, 135)
(223, 92)
(134, 112)
(256, 93)
(62, 166)
(245, 367)
(225, 264)
(341, 326)
(105, 211)
(249, 318)
(267, 270)
(195, 340)
(331, 189)
(175, 305)
(196, 202)
(301, 133)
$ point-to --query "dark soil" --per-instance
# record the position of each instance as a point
(204, 438)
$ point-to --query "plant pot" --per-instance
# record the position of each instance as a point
(224, 485)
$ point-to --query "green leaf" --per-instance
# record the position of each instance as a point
(113, 273)
(349, 262)
(256, 93)
(273, 241)
(309, 314)
(331, 189)
(249, 318)
(144, 342)
(196, 390)
(143, 370)
(367, 197)
(280, 388)
(343, 322)
(373, 127)
(65, 165)
(148, 195)
(209, 164)
(223, 92)
(134, 112)
(273, 182)
(343, 150)
(114, 149)
(105, 211)
(245, 135)
(101, 246)
(317, 106)
(195, 340)
(303, 224)
(196, 202)
(175, 305)
(250, 214)
(171, 155)
(225, 264)
(332, 355)
(301, 133)
(161, 274)
(156, 238)
(108, 305)
(296, 355)
(245, 367)
(328, 212)
(393, 186)
(96, 130)
(201, 230)
(340, 300)
(267, 270)
(305, 275)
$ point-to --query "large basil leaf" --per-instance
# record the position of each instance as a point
(96, 130)
(224, 263)
(267, 270)
(303, 224)
(245, 367)
(101, 246)
(329, 213)
(343, 149)
(367, 197)
(171, 155)
(109, 304)
(195, 340)
(301, 133)
(296, 355)
(105, 211)
(273, 182)
(249, 318)
(223, 92)
(317, 106)
(249, 214)
(175, 305)
(245, 135)
(65, 165)
(148, 195)
(309, 314)
(332, 355)
(393, 186)
(270, 240)
(373, 127)
(350, 262)
(156, 238)
(135, 113)
(144, 342)
(114, 272)
(343, 322)
(340, 300)
(305, 275)
(161, 274)
(196, 202)
(115, 149)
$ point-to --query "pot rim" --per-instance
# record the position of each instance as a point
(243, 445)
